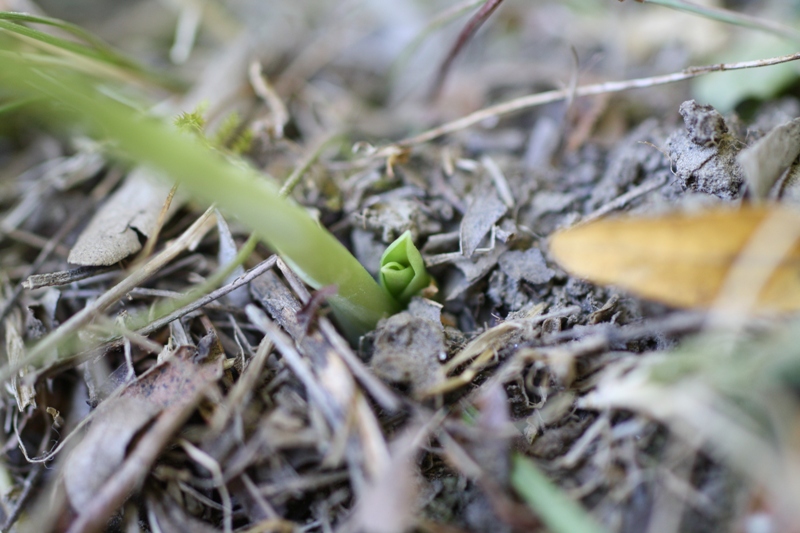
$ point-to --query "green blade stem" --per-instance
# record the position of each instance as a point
(319, 258)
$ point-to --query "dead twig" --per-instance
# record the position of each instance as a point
(473, 25)
(622, 200)
(150, 245)
(279, 115)
(133, 471)
(533, 100)
(44, 254)
(64, 277)
(83, 317)
(246, 278)
(208, 462)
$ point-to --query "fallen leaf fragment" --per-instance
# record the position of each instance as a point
(483, 213)
(113, 233)
(685, 259)
(765, 161)
(119, 420)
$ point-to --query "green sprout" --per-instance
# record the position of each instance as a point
(402, 272)
(69, 96)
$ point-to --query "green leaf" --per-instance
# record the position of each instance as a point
(16, 103)
(94, 49)
(402, 271)
(559, 513)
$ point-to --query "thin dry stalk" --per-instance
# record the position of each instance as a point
(242, 280)
(208, 462)
(83, 317)
(44, 254)
(533, 100)
(150, 245)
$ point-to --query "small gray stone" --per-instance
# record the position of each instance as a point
(427, 309)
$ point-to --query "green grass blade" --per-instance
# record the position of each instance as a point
(16, 104)
(95, 49)
(730, 17)
(318, 257)
(559, 513)
(58, 42)
(77, 31)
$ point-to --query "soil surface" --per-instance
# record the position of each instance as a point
(250, 411)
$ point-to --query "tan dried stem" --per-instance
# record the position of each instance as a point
(534, 100)
(150, 245)
(80, 319)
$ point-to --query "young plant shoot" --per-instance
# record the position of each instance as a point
(402, 272)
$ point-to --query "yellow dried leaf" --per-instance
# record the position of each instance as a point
(745, 257)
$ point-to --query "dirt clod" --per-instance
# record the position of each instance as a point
(704, 155)
(409, 349)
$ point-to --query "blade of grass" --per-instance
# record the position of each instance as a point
(96, 49)
(315, 254)
(52, 40)
(15, 104)
(77, 31)
(440, 20)
(729, 17)
(559, 513)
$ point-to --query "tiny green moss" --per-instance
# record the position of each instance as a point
(227, 132)
(243, 142)
(192, 121)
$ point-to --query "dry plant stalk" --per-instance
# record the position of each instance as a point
(83, 317)
(526, 102)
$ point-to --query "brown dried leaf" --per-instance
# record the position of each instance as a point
(120, 419)
(686, 259)
(112, 234)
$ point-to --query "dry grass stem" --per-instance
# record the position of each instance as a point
(526, 102)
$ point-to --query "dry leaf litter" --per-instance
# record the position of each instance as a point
(249, 411)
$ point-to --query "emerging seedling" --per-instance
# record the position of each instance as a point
(402, 272)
